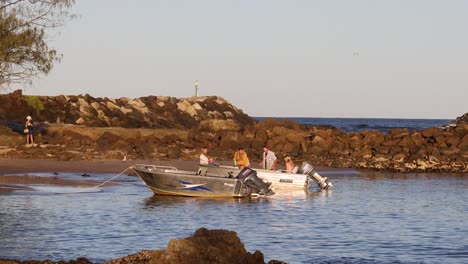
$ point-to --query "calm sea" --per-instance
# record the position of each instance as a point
(367, 218)
(361, 124)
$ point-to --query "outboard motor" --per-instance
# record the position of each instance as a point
(249, 178)
(322, 182)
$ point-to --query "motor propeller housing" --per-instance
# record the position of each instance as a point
(250, 179)
(309, 169)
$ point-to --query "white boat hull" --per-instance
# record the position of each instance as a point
(280, 180)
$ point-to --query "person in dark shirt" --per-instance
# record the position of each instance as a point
(29, 130)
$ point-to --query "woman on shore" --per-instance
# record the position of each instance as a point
(29, 130)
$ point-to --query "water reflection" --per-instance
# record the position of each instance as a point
(168, 201)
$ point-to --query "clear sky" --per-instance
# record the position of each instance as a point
(302, 58)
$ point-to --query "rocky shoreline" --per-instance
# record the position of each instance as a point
(429, 150)
(213, 122)
(204, 246)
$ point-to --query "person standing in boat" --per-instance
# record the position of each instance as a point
(240, 159)
(269, 159)
(204, 158)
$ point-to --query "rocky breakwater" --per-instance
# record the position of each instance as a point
(400, 150)
(83, 127)
(143, 112)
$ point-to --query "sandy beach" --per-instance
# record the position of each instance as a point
(24, 166)
(17, 166)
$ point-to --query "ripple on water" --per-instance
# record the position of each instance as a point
(367, 218)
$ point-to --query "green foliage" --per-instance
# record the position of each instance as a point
(24, 52)
(34, 102)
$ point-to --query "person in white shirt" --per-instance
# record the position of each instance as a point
(204, 158)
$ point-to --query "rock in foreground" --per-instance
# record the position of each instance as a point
(205, 246)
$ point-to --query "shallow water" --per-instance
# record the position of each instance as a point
(367, 218)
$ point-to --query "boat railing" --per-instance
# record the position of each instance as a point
(156, 167)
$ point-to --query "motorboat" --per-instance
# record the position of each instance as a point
(167, 180)
(302, 177)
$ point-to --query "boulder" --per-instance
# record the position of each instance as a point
(231, 140)
(86, 109)
(355, 142)
(108, 140)
(449, 151)
(9, 138)
(80, 121)
(461, 129)
(207, 246)
(295, 138)
(142, 257)
(335, 147)
(372, 138)
(452, 141)
(290, 148)
(186, 107)
(74, 139)
(316, 150)
(323, 133)
(249, 133)
(431, 132)
(463, 145)
(215, 125)
(277, 140)
(261, 135)
(281, 131)
(366, 152)
(405, 141)
(398, 133)
(462, 119)
(139, 106)
(417, 138)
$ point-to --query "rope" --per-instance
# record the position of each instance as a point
(12, 188)
(99, 185)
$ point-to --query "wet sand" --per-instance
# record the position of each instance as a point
(14, 172)
(23, 166)
(18, 166)
(17, 182)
